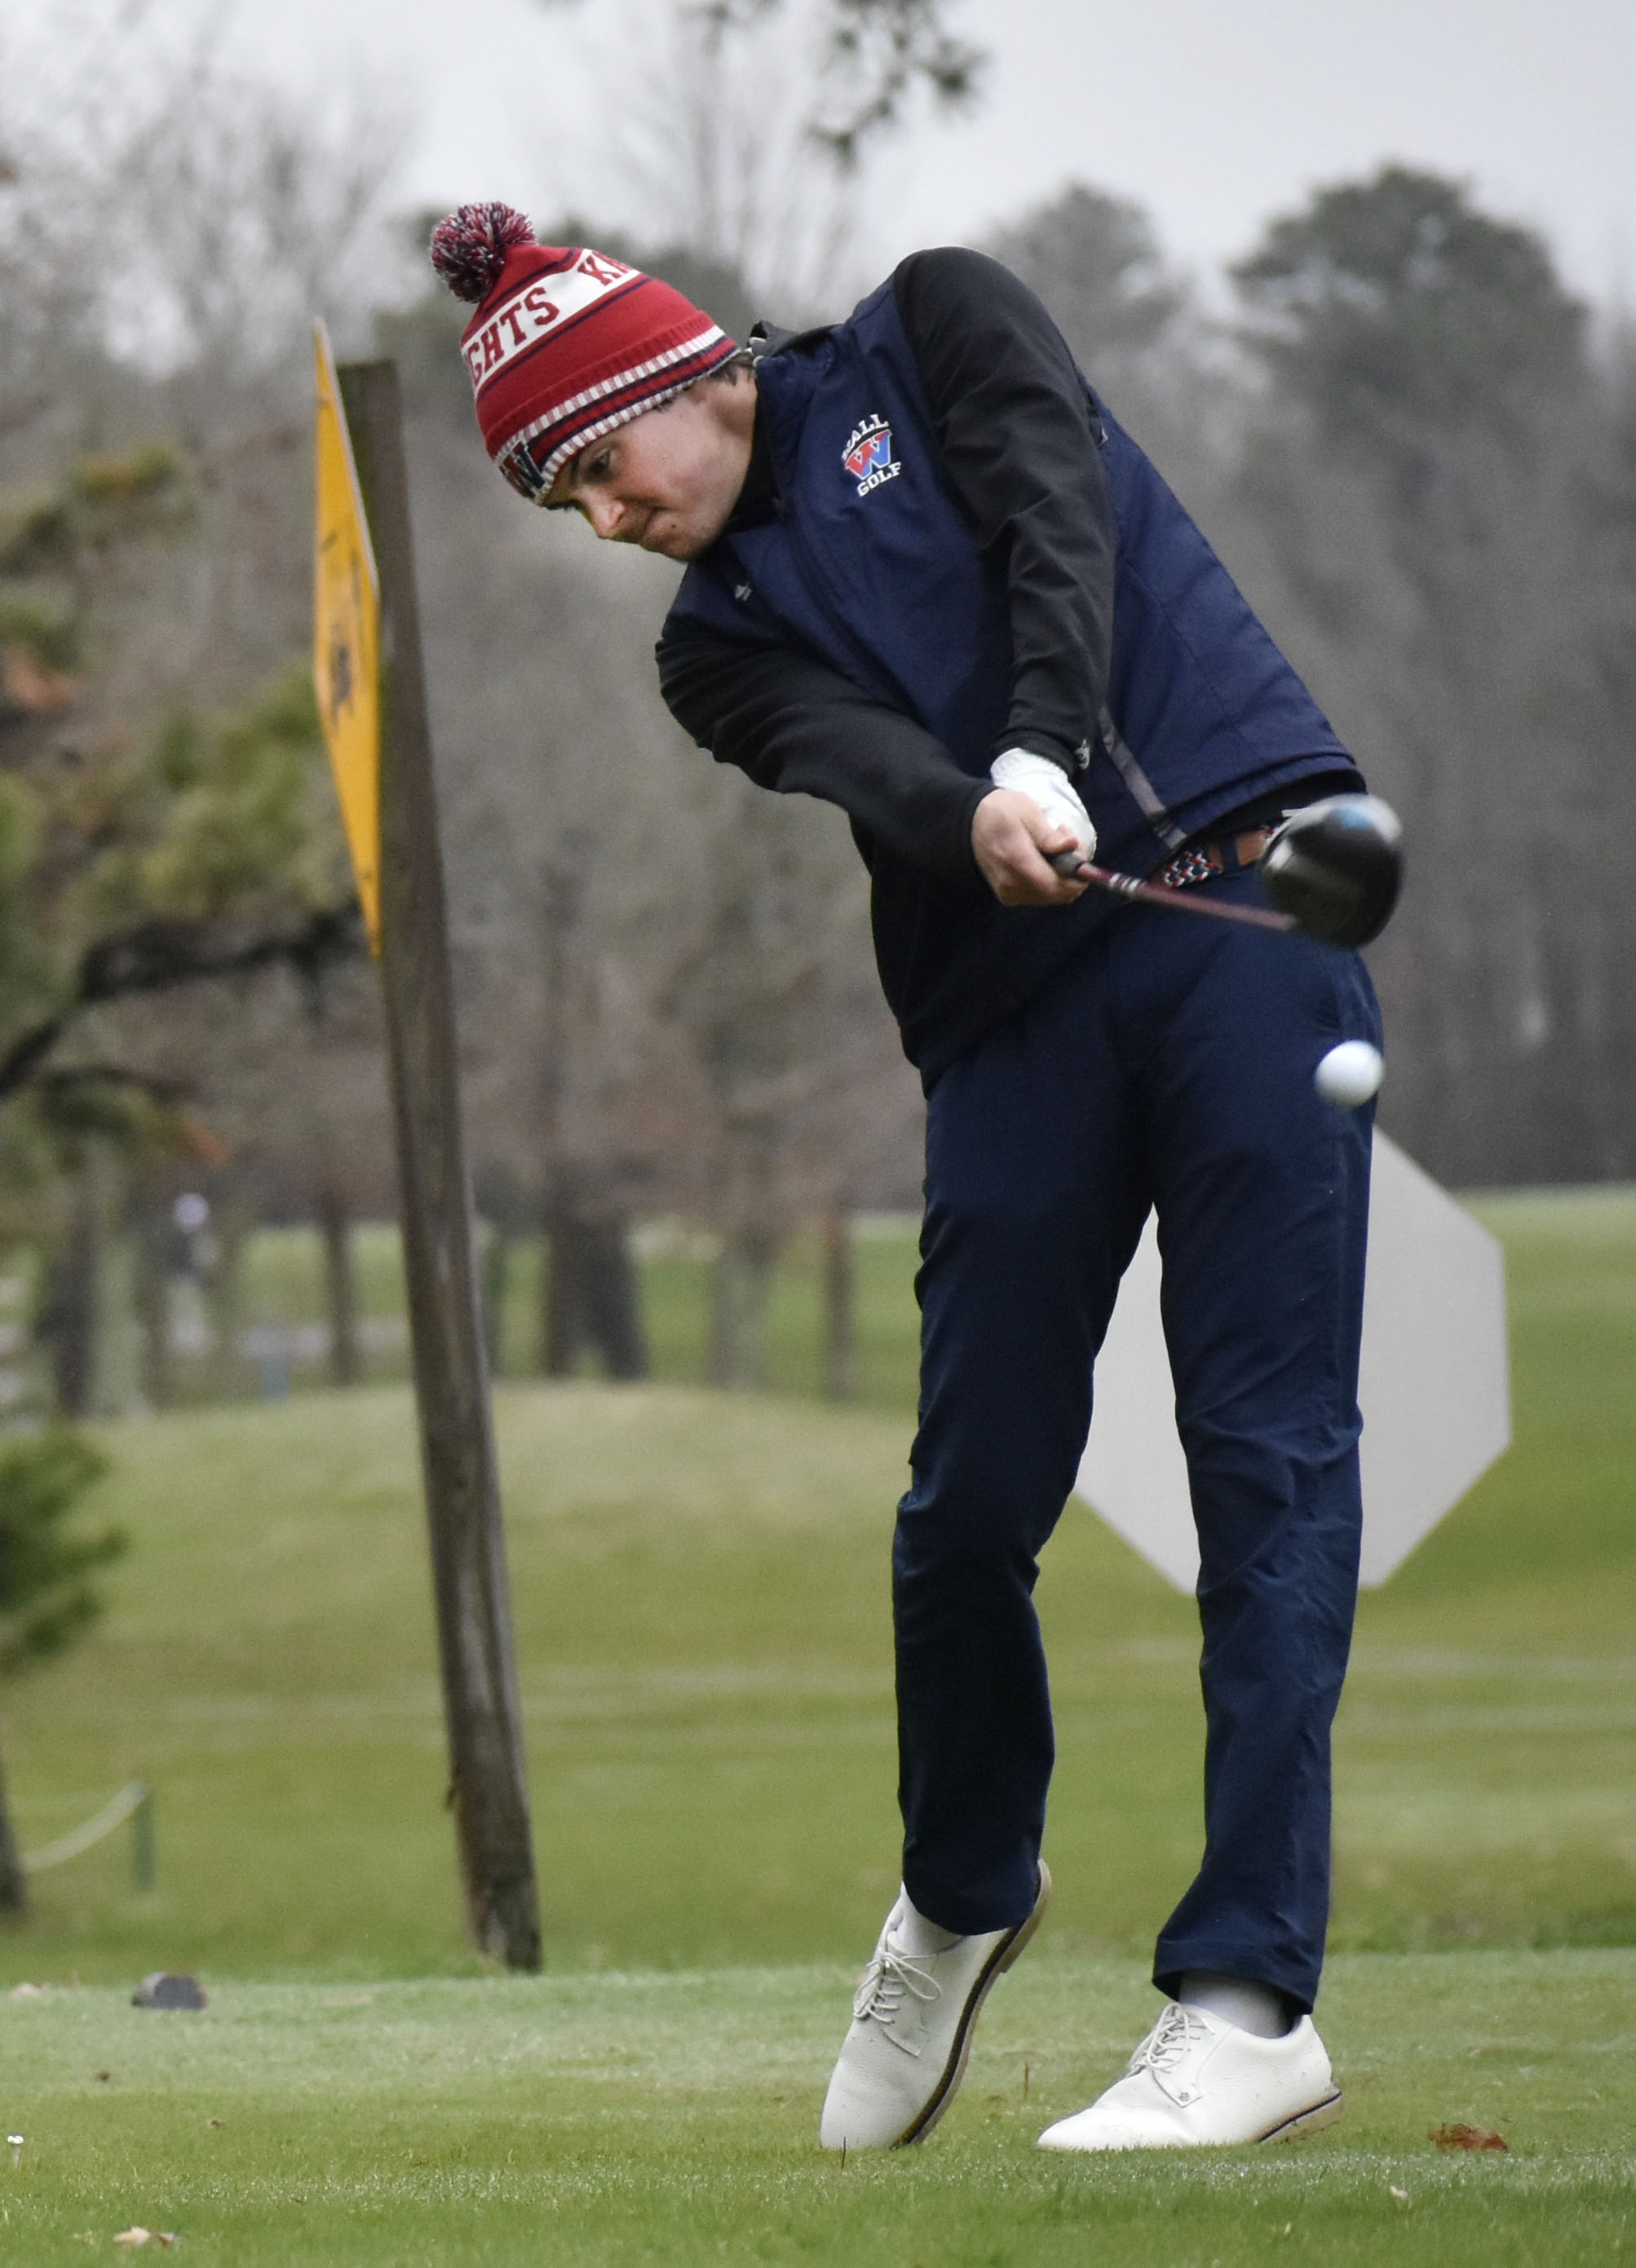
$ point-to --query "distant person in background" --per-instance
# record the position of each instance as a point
(931, 581)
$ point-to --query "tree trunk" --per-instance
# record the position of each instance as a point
(68, 1319)
(497, 1280)
(591, 1297)
(557, 1331)
(224, 1301)
(13, 1881)
(151, 1298)
(740, 1284)
(613, 1303)
(335, 1221)
(840, 1307)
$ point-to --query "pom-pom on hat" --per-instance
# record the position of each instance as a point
(565, 344)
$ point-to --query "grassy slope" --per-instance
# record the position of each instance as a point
(701, 1602)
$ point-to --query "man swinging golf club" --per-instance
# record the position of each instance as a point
(932, 581)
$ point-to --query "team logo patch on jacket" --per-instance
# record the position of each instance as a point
(868, 455)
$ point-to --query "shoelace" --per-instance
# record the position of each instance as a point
(1178, 2030)
(890, 1979)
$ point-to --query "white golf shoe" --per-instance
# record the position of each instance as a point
(1197, 2079)
(905, 2051)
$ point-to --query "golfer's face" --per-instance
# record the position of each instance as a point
(667, 482)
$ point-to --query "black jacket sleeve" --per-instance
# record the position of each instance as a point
(794, 723)
(1017, 440)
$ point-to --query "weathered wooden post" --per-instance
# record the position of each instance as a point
(364, 653)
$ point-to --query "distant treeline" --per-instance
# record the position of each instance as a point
(1412, 446)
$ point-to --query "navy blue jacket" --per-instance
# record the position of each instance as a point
(947, 552)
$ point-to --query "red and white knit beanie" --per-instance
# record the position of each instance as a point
(565, 344)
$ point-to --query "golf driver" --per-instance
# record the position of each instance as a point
(1332, 870)
(1336, 867)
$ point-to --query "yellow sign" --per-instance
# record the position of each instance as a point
(346, 639)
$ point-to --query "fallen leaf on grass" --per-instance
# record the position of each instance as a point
(1402, 2196)
(1465, 2137)
(140, 2235)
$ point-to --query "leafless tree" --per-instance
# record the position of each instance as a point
(865, 62)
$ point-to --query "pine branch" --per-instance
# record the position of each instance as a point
(161, 955)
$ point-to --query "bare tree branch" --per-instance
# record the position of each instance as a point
(876, 55)
(159, 955)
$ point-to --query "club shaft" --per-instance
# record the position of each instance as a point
(1183, 901)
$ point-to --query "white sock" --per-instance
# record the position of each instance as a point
(915, 1936)
(1257, 2008)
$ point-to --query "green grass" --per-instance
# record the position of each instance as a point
(1487, 1746)
(700, 1586)
(631, 2118)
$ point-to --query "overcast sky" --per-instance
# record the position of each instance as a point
(1213, 113)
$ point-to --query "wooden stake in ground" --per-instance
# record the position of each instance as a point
(488, 1790)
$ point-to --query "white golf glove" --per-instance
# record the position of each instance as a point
(1047, 785)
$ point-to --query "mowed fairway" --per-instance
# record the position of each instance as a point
(700, 1601)
(669, 2118)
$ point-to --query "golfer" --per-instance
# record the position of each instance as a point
(931, 580)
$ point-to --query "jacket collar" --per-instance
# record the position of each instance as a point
(759, 499)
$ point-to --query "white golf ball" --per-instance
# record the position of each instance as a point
(1349, 1074)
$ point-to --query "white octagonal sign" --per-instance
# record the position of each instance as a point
(1434, 1386)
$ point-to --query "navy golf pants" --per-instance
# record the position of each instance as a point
(1168, 1065)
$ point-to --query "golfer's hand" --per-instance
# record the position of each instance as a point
(1010, 840)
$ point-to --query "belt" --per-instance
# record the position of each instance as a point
(1201, 862)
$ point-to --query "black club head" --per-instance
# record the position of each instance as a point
(1336, 867)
